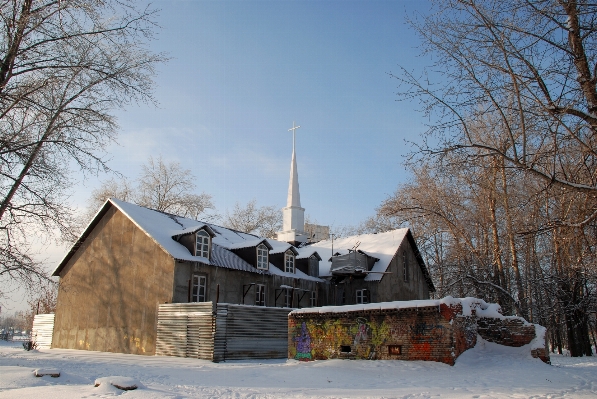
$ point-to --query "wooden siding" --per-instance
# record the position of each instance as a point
(110, 290)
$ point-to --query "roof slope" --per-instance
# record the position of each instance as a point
(382, 246)
(162, 227)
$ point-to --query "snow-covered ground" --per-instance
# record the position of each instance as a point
(486, 371)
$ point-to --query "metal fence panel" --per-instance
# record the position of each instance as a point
(230, 332)
(43, 330)
(185, 330)
(250, 332)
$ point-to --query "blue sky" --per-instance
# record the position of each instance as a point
(243, 71)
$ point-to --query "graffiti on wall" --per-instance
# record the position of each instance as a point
(368, 337)
(303, 344)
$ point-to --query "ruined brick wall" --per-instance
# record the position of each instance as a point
(438, 333)
(401, 334)
(511, 332)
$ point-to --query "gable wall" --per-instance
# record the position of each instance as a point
(392, 287)
(110, 290)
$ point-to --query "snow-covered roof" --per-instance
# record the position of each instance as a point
(279, 247)
(306, 252)
(165, 229)
(382, 246)
(249, 243)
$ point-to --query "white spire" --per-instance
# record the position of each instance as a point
(294, 195)
(293, 225)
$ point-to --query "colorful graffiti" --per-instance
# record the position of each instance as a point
(303, 344)
(421, 336)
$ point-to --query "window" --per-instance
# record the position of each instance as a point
(313, 299)
(260, 295)
(394, 349)
(288, 298)
(289, 262)
(362, 296)
(405, 266)
(262, 257)
(202, 244)
(198, 288)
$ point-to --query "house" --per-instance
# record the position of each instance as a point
(131, 259)
(369, 268)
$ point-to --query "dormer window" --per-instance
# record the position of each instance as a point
(262, 257)
(289, 262)
(202, 244)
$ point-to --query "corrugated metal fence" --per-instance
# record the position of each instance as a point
(185, 330)
(250, 332)
(42, 330)
(230, 332)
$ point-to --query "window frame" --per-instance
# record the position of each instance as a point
(362, 296)
(288, 294)
(195, 295)
(203, 236)
(313, 299)
(260, 294)
(262, 265)
(289, 258)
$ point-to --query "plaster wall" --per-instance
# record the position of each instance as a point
(110, 290)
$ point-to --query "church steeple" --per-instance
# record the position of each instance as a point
(293, 225)
(294, 195)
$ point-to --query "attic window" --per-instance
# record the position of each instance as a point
(289, 262)
(202, 244)
(262, 257)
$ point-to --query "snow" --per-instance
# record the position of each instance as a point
(486, 371)
(120, 382)
(467, 304)
(382, 246)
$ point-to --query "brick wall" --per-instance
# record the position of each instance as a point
(438, 333)
(402, 334)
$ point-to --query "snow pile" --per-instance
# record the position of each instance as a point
(43, 372)
(122, 383)
(539, 341)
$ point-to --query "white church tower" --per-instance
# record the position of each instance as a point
(293, 225)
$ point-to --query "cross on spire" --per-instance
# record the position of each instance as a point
(293, 129)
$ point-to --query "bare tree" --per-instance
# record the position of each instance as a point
(165, 187)
(512, 100)
(169, 188)
(264, 221)
(521, 73)
(64, 67)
